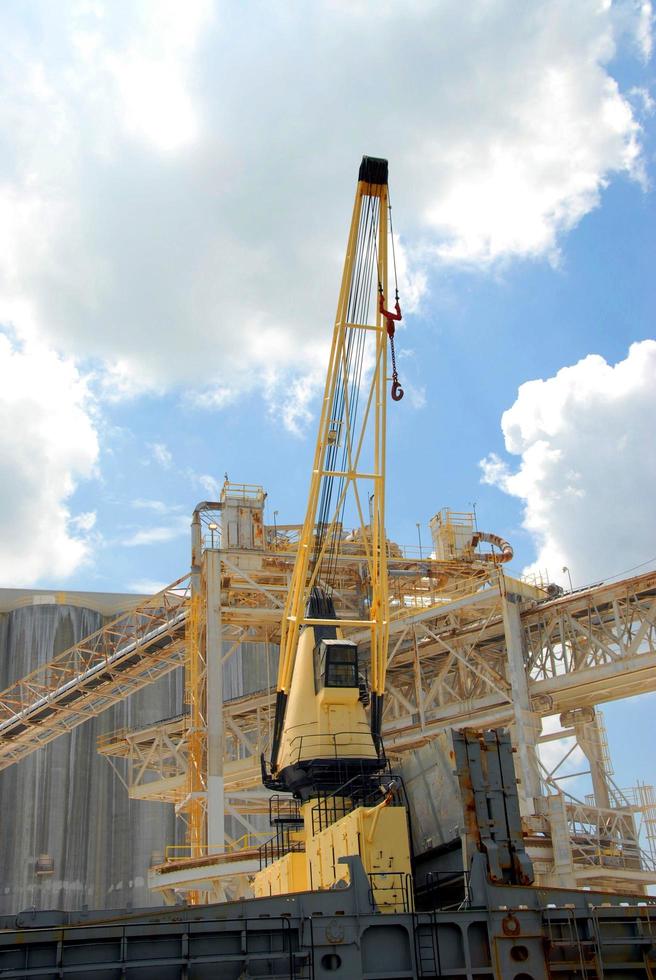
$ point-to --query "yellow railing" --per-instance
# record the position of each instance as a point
(109, 738)
(243, 491)
(181, 852)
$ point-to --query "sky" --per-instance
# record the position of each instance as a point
(176, 182)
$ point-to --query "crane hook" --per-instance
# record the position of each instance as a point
(397, 390)
(389, 316)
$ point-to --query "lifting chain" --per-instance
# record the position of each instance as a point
(391, 318)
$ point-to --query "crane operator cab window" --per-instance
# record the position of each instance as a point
(336, 664)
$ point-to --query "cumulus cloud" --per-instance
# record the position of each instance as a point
(48, 443)
(176, 528)
(181, 217)
(587, 468)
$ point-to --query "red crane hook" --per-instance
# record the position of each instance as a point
(391, 318)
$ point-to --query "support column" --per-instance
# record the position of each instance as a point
(589, 735)
(562, 875)
(214, 707)
(526, 725)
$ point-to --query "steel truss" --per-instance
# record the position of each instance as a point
(469, 646)
(130, 652)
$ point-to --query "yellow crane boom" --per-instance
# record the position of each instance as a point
(324, 750)
(348, 470)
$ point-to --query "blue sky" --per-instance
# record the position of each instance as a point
(484, 333)
(175, 191)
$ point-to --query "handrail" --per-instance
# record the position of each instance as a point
(246, 842)
(335, 743)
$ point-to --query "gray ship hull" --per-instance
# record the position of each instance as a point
(500, 931)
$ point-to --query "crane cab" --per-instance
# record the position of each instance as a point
(335, 664)
(327, 736)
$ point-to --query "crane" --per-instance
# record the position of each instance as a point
(324, 751)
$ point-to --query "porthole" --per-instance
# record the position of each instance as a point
(331, 961)
(519, 954)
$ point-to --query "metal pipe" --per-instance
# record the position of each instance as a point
(197, 541)
(506, 551)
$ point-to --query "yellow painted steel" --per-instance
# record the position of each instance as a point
(328, 724)
(195, 802)
(369, 441)
(283, 877)
(378, 834)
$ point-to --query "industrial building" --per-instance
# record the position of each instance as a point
(105, 811)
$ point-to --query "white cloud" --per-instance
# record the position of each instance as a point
(641, 98)
(158, 506)
(417, 396)
(151, 73)
(146, 586)
(637, 20)
(645, 28)
(48, 444)
(174, 186)
(207, 483)
(158, 535)
(216, 396)
(85, 521)
(587, 467)
(161, 454)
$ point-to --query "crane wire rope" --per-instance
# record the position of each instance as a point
(344, 410)
(391, 317)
